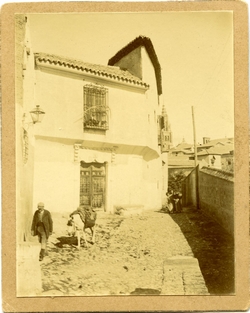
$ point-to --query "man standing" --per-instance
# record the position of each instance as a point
(42, 226)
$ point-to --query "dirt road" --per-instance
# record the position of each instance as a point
(129, 254)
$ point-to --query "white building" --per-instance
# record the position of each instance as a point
(98, 141)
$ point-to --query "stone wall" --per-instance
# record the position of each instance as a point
(216, 196)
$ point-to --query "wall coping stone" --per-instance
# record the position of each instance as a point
(229, 176)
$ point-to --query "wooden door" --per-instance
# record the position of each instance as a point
(92, 184)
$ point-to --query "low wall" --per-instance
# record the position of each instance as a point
(216, 196)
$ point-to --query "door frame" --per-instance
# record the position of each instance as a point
(89, 168)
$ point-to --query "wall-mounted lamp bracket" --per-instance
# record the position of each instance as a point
(37, 114)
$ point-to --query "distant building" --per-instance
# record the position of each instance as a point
(165, 133)
(217, 153)
(221, 142)
(182, 149)
(212, 158)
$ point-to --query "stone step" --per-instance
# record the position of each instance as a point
(182, 276)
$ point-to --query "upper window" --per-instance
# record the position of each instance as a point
(95, 107)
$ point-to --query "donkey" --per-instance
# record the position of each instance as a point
(85, 217)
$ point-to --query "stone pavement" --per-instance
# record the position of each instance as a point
(182, 276)
(136, 254)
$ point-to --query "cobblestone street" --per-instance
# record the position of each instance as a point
(131, 256)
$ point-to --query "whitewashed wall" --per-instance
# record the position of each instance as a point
(134, 178)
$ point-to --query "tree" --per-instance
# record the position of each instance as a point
(175, 180)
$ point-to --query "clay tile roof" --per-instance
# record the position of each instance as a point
(205, 152)
(137, 42)
(111, 72)
(221, 149)
(184, 145)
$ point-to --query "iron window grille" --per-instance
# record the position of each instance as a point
(95, 107)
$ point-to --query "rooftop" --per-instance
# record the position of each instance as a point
(219, 150)
(111, 72)
(221, 141)
(180, 162)
(184, 147)
(138, 42)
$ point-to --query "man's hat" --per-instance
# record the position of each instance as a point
(40, 204)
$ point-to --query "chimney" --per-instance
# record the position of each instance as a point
(206, 140)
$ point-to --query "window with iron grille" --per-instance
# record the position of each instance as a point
(95, 107)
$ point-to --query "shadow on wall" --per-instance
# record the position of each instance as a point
(212, 246)
(213, 190)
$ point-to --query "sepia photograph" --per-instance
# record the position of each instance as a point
(124, 154)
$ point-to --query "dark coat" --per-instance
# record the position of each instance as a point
(47, 222)
(177, 202)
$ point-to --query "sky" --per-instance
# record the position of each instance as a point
(194, 49)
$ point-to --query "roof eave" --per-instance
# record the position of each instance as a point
(79, 71)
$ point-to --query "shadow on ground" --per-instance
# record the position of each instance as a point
(66, 240)
(145, 291)
(212, 246)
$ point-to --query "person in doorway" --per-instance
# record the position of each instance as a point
(42, 226)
